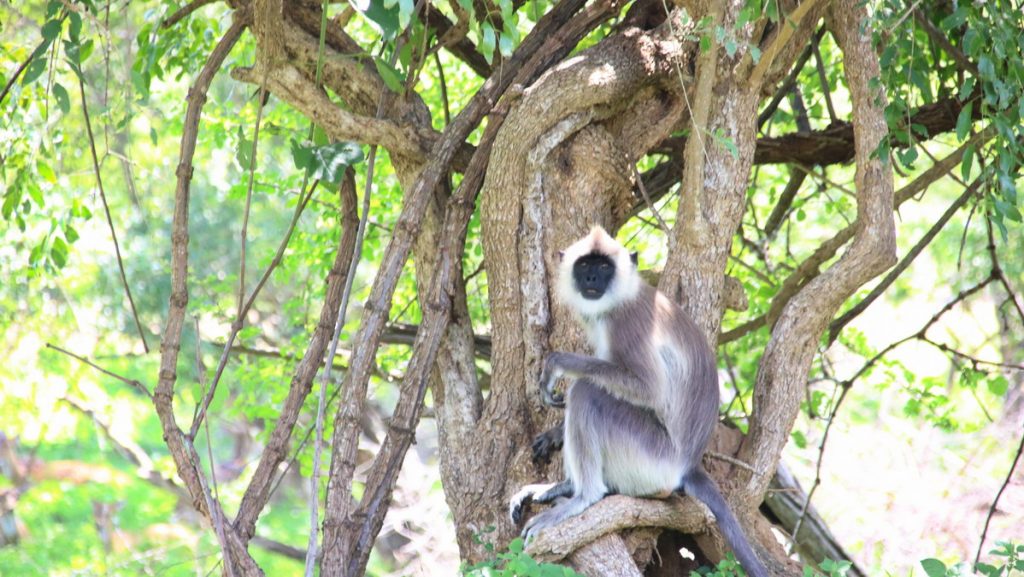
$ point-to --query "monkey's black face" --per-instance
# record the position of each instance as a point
(593, 273)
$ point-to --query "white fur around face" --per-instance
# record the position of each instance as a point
(624, 286)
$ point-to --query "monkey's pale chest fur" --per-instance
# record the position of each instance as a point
(600, 337)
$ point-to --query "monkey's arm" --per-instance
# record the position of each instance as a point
(617, 380)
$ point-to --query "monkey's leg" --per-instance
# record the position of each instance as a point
(582, 454)
(541, 493)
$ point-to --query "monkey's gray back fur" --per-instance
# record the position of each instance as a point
(656, 341)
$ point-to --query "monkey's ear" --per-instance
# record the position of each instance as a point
(635, 258)
(561, 255)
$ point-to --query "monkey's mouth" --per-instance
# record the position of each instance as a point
(592, 294)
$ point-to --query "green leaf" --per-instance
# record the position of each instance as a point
(59, 252)
(488, 40)
(73, 52)
(934, 567)
(70, 233)
(505, 45)
(390, 75)
(60, 94)
(799, 439)
(986, 68)
(75, 30)
(963, 121)
(11, 200)
(967, 163)
(998, 385)
(955, 19)
(381, 17)
(51, 30)
(328, 162)
(46, 171)
(243, 154)
(405, 12)
(34, 70)
(86, 50)
(731, 47)
(967, 88)
(755, 54)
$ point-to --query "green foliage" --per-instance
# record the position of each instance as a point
(1009, 561)
(728, 567)
(917, 71)
(515, 563)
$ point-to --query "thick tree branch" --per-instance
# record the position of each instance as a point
(810, 267)
(836, 326)
(186, 459)
(787, 357)
(524, 65)
(615, 513)
(295, 88)
(834, 145)
(258, 492)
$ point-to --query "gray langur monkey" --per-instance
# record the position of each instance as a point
(641, 410)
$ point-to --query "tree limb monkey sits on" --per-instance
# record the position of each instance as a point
(642, 409)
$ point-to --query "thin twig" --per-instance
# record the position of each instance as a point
(260, 104)
(838, 324)
(218, 520)
(789, 82)
(844, 387)
(731, 460)
(992, 508)
(823, 80)
(86, 361)
(106, 210)
(921, 332)
(939, 38)
(184, 12)
(314, 482)
(200, 412)
(444, 89)
(974, 361)
(647, 198)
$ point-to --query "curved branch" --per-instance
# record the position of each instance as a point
(810, 267)
(615, 513)
(186, 459)
(289, 84)
(783, 367)
(529, 59)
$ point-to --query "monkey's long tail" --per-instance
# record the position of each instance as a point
(697, 484)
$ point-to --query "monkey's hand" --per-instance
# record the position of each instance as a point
(548, 378)
(546, 444)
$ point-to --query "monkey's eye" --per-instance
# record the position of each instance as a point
(605, 266)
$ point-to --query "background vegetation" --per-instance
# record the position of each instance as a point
(911, 425)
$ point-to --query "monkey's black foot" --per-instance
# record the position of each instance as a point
(546, 444)
(519, 504)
